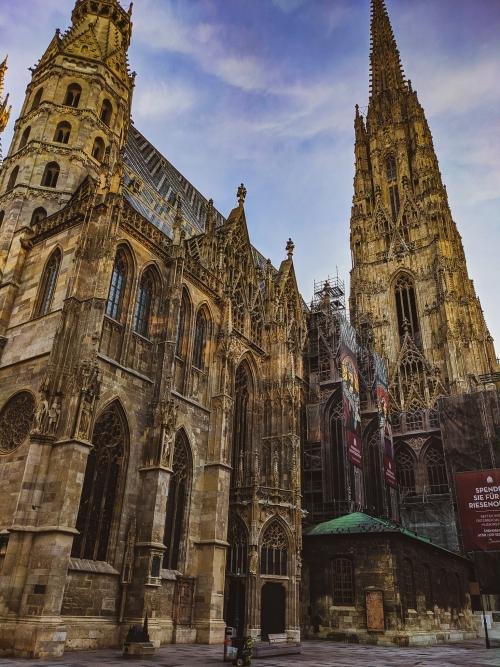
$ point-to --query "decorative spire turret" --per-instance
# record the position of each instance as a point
(4, 107)
(386, 71)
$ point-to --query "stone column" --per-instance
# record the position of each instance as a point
(39, 548)
(212, 546)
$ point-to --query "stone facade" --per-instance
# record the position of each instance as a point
(154, 391)
(416, 593)
(150, 379)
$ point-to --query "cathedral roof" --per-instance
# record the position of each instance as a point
(151, 184)
(358, 523)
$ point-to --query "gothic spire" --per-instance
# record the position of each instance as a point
(386, 71)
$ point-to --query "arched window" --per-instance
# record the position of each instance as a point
(50, 175)
(72, 97)
(241, 422)
(268, 416)
(237, 553)
(13, 178)
(391, 172)
(390, 167)
(342, 582)
(117, 286)
(38, 215)
(405, 469)
(2, 216)
(436, 469)
(48, 284)
(427, 586)
(177, 501)
(181, 343)
(61, 135)
(106, 112)
(98, 149)
(334, 451)
(408, 591)
(100, 487)
(24, 138)
(37, 99)
(406, 307)
(144, 303)
(374, 480)
(200, 339)
(274, 550)
(16, 419)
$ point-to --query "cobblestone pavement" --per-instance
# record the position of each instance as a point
(314, 654)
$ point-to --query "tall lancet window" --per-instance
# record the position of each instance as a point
(177, 503)
(241, 423)
(406, 307)
(392, 179)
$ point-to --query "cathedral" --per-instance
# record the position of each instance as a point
(174, 416)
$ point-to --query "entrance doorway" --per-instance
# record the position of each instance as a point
(235, 604)
(272, 609)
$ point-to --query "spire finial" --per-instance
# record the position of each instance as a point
(290, 247)
(241, 194)
(210, 220)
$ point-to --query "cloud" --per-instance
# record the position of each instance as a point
(457, 88)
(156, 99)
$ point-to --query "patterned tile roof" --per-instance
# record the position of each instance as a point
(151, 184)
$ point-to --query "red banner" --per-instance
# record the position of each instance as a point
(352, 415)
(478, 495)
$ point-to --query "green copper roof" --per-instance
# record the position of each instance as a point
(359, 523)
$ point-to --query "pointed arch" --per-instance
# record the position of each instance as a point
(121, 280)
(37, 99)
(237, 553)
(24, 137)
(62, 133)
(38, 215)
(50, 175)
(374, 484)
(242, 421)
(435, 466)
(176, 515)
(184, 324)
(406, 306)
(16, 419)
(146, 299)
(72, 96)
(48, 283)
(106, 112)
(104, 478)
(13, 177)
(201, 337)
(274, 548)
(334, 449)
(405, 469)
(98, 149)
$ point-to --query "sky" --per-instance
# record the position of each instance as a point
(263, 91)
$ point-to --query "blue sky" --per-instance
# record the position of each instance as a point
(263, 91)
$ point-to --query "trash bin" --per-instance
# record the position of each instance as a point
(243, 646)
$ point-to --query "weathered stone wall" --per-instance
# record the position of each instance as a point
(378, 564)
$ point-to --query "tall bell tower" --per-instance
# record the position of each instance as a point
(409, 280)
(75, 116)
(411, 295)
